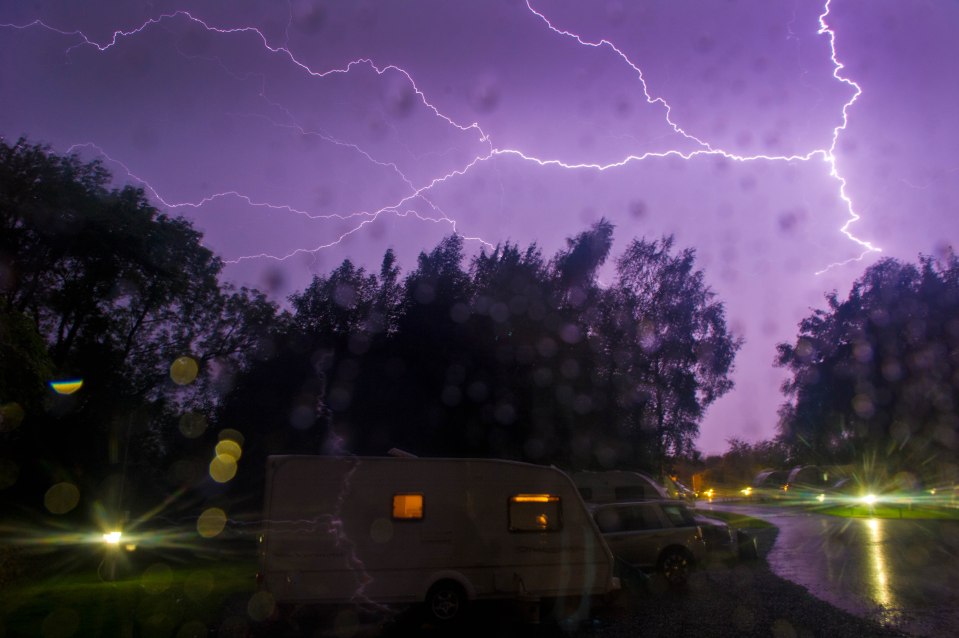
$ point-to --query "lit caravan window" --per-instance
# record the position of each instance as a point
(407, 507)
(535, 513)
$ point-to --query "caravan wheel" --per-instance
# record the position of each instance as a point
(446, 602)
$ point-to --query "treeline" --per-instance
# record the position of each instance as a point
(508, 354)
(874, 377)
(514, 356)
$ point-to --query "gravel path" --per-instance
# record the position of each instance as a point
(743, 599)
(738, 599)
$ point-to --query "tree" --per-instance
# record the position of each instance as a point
(668, 350)
(117, 292)
(873, 376)
(512, 357)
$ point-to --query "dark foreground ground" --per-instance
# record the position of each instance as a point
(741, 599)
(216, 598)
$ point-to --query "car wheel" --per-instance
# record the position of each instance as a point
(748, 548)
(446, 602)
(675, 565)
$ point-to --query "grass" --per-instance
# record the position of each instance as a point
(738, 521)
(153, 599)
(921, 512)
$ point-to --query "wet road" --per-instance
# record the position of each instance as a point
(903, 573)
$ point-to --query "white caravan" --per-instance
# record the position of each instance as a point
(387, 530)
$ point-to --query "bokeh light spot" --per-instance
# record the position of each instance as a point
(61, 498)
(11, 416)
(229, 434)
(67, 386)
(211, 522)
(9, 473)
(156, 578)
(184, 370)
(192, 425)
(222, 468)
(261, 606)
(199, 584)
(226, 447)
(192, 629)
(60, 623)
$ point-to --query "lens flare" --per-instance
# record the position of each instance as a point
(211, 522)
(112, 538)
(229, 448)
(184, 370)
(192, 425)
(223, 468)
(67, 386)
(61, 498)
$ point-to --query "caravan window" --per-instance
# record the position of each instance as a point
(535, 513)
(629, 492)
(407, 506)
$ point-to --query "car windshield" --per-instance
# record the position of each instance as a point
(613, 248)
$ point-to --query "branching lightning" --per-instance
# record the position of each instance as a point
(409, 205)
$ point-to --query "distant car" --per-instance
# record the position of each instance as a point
(769, 484)
(724, 541)
(656, 535)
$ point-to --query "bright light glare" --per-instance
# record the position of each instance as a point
(112, 538)
(534, 498)
(746, 491)
(821, 498)
(869, 499)
(68, 386)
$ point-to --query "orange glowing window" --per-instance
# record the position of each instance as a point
(407, 506)
(535, 513)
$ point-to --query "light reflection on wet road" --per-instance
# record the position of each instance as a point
(903, 573)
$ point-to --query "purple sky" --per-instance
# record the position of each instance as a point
(297, 134)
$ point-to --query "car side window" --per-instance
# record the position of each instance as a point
(679, 515)
(609, 520)
(644, 518)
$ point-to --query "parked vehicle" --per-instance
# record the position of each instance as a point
(769, 484)
(440, 531)
(617, 486)
(660, 535)
(724, 541)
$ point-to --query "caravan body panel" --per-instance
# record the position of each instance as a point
(383, 529)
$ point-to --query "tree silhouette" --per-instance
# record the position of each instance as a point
(116, 292)
(512, 357)
(873, 375)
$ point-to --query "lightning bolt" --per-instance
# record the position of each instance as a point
(409, 205)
